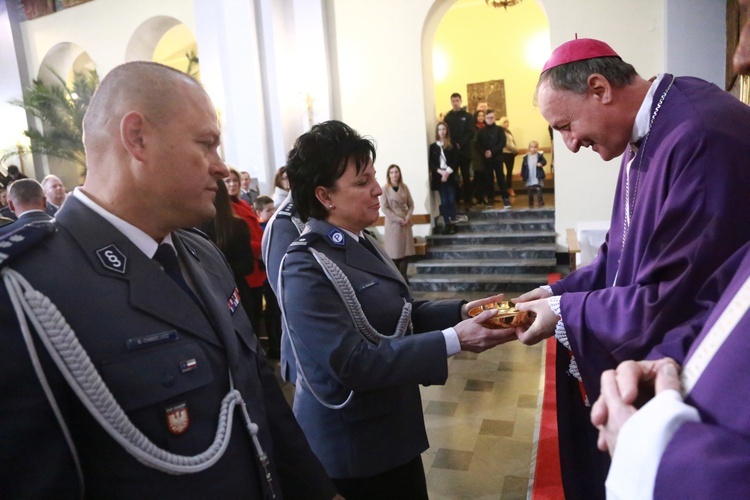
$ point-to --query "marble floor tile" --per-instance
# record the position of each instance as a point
(452, 459)
(527, 400)
(441, 408)
(515, 488)
(497, 427)
(479, 385)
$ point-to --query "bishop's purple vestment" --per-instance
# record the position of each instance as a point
(691, 183)
(690, 215)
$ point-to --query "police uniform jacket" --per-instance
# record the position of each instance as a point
(282, 229)
(382, 426)
(156, 350)
(26, 218)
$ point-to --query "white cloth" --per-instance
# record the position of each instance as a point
(641, 443)
(279, 195)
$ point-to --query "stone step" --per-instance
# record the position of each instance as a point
(507, 225)
(476, 283)
(502, 251)
(515, 213)
(483, 266)
(491, 238)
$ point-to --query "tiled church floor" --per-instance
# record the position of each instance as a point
(481, 424)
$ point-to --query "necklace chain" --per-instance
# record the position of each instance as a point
(630, 205)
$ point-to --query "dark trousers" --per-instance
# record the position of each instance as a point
(482, 186)
(496, 168)
(509, 159)
(535, 190)
(406, 482)
(583, 467)
(466, 191)
(448, 207)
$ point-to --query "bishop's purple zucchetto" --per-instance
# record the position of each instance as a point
(579, 49)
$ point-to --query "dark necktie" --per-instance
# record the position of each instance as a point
(369, 246)
(167, 257)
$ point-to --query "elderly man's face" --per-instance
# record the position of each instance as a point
(187, 161)
(584, 121)
(54, 191)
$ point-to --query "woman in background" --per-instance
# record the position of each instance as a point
(232, 235)
(509, 154)
(398, 206)
(258, 276)
(443, 164)
(281, 186)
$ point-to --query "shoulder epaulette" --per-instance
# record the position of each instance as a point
(286, 211)
(14, 244)
(303, 242)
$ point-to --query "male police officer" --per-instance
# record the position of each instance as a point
(158, 390)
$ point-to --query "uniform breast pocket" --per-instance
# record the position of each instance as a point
(142, 379)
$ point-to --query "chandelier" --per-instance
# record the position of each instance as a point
(502, 3)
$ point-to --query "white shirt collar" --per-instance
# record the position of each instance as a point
(32, 211)
(144, 242)
(356, 238)
(642, 119)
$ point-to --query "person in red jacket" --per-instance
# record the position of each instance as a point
(258, 276)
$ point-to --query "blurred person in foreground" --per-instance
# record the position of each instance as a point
(675, 219)
(361, 344)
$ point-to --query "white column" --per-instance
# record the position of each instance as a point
(229, 52)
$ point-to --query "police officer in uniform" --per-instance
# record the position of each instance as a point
(128, 368)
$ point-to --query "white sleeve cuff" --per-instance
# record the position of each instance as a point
(546, 288)
(452, 345)
(641, 443)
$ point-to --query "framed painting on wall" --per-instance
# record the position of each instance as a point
(492, 92)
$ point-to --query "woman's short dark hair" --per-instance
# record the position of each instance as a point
(319, 157)
(574, 76)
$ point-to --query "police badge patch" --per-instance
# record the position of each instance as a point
(178, 419)
(112, 258)
(337, 237)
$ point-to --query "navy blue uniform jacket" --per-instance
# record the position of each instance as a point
(108, 306)
(382, 426)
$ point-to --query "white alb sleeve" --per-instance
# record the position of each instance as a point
(641, 443)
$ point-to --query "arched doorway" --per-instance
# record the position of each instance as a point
(165, 40)
(487, 53)
(64, 61)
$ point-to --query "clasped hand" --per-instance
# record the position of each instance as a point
(624, 390)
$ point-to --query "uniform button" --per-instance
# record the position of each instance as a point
(167, 380)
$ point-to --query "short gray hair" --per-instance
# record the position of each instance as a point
(574, 76)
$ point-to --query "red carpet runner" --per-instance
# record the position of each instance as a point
(547, 480)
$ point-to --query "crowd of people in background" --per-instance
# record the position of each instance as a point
(480, 156)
